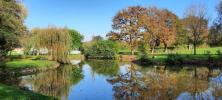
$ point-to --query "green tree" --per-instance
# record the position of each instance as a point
(143, 51)
(76, 38)
(102, 49)
(181, 37)
(57, 40)
(97, 38)
(215, 35)
(12, 15)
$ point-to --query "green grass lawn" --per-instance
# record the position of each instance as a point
(13, 93)
(26, 63)
(162, 58)
(213, 50)
(78, 56)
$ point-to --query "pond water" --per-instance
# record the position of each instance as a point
(108, 80)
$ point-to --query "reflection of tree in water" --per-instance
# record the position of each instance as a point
(127, 85)
(10, 80)
(104, 67)
(56, 83)
(159, 85)
(216, 83)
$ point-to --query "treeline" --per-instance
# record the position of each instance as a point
(161, 27)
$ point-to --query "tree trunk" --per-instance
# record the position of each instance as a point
(132, 51)
(153, 48)
(10, 53)
(195, 48)
(165, 48)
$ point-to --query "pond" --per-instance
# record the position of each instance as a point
(108, 80)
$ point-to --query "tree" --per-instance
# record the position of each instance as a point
(160, 26)
(12, 15)
(113, 36)
(219, 10)
(126, 25)
(196, 24)
(103, 49)
(181, 36)
(76, 38)
(168, 28)
(215, 36)
(143, 52)
(56, 40)
(97, 38)
(151, 21)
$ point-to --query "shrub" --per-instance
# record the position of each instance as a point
(40, 58)
(218, 52)
(103, 49)
(143, 52)
(173, 59)
(208, 52)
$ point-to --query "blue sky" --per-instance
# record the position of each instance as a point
(94, 17)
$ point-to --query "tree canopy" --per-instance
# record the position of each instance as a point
(76, 38)
(151, 24)
(196, 23)
(57, 40)
(12, 15)
(102, 49)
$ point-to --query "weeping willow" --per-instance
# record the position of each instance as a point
(56, 40)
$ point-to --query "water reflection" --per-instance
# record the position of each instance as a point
(107, 80)
(56, 83)
(165, 84)
(104, 67)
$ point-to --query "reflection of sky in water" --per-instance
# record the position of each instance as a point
(215, 83)
(94, 85)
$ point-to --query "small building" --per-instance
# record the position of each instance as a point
(75, 52)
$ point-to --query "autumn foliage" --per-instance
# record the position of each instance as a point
(151, 25)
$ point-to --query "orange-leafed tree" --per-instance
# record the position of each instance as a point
(126, 25)
(151, 22)
(168, 28)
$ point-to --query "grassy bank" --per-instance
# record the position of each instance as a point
(26, 66)
(200, 59)
(210, 50)
(25, 63)
(78, 56)
(13, 93)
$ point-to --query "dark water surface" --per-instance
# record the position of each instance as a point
(107, 80)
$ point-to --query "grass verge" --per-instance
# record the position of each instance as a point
(13, 93)
(25, 63)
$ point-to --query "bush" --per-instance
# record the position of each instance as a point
(40, 58)
(173, 59)
(103, 49)
(208, 52)
(143, 52)
(218, 52)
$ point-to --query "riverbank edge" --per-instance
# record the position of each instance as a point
(29, 70)
(188, 62)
